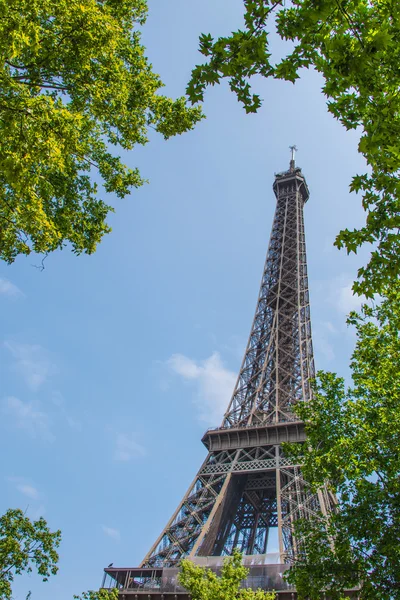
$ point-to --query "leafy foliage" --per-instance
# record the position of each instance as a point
(355, 45)
(204, 584)
(100, 595)
(24, 543)
(353, 443)
(74, 81)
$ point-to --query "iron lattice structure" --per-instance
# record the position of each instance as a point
(246, 487)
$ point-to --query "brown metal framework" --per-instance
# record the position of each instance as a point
(246, 487)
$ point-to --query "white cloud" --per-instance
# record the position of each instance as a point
(28, 418)
(184, 366)
(127, 447)
(32, 362)
(9, 289)
(215, 384)
(24, 487)
(28, 490)
(112, 533)
(346, 301)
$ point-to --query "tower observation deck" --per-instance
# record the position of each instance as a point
(247, 494)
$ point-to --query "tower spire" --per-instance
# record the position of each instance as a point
(293, 157)
(247, 494)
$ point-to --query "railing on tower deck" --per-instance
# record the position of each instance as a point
(282, 423)
(297, 171)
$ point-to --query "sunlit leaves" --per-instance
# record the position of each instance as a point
(74, 82)
(205, 584)
(25, 545)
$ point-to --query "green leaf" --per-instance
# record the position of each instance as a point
(75, 82)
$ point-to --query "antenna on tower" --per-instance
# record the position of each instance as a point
(292, 161)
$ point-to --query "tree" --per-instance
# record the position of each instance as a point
(74, 83)
(99, 595)
(355, 45)
(353, 440)
(24, 544)
(204, 584)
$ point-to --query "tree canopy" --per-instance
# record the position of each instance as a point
(204, 584)
(74, 82)
(355, 45)
(353, 439)
(24, 545)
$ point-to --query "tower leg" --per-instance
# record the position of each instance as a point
(279, 507)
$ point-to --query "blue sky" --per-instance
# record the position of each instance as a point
(112, 366)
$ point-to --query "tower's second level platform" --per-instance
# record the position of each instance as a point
(229, 438)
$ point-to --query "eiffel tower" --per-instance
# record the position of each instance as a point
(247, 494)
